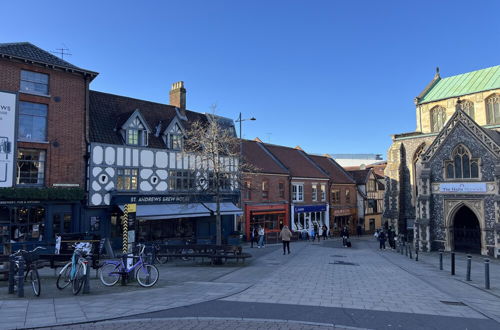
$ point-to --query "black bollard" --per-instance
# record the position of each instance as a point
(416, 254)
(411, 256)
(440, 260)
(12, 274)
(487, 273)
(469, 262)
(124, 274)
(86, 284)
(406, 250)
(20, 278)
(453, 263)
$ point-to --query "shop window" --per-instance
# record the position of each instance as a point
(267, 221)
(461, 165)
(335, 196)
(30, 167)
(126, 179)
(181, 180)
(265, 189)
(438, 118)
(27, 223)
(298, 192)
(34, 82)
(314, 195)
(493, 109)
(32, 122)
(348, 196)
(248, 190)
(281, 189)
(323, 192)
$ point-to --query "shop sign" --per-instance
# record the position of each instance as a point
(341, 212)
(165, 199)
(310, 208)
(7, 138)
(463, 187)
(19, 202)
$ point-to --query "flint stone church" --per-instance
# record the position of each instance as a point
(443, 180)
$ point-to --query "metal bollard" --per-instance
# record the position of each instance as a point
(20, 278)
(487, 273)
(411, 256)
(440, 260)
(453, 263)
(12, 279)
(416, 254)
(86, 284)
(124, 275)
(469, 262)
(406, 250)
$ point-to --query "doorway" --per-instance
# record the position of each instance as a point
(466, 231)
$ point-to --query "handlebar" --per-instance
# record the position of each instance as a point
(21, 251)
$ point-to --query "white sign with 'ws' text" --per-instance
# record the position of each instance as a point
(7, 138)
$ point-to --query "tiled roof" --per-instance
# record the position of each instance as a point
(296, 162)
(263, 161)
(108, 112)
(335, 171)
(28, 51)
(463, 84)
(360, 176)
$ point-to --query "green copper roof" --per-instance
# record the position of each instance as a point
(463, 84)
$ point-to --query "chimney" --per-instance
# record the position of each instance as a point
(178, 96)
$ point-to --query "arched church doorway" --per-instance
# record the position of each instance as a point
(466, 231)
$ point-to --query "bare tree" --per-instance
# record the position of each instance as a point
(218, 148)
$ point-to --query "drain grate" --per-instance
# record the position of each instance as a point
(345, 263)
(337, 256)
(454, 303)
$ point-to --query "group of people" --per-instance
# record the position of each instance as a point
(383, 235)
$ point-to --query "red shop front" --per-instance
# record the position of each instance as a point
(272, 217)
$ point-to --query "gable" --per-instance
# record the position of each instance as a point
(136, 120)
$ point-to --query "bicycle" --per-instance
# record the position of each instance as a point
(31, 267)
(75, 271)
(157, 248)
(146, 274)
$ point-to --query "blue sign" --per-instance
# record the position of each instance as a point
(309, 208)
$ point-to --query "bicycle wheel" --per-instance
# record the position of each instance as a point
(109, 274)
(64, 277)
(79, 279)
(186, 254)
(161, 260)
(34, 278)
(147, 275)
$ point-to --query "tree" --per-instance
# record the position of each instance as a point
(215, 143)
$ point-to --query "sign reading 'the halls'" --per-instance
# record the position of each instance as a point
(463, 187)
(7, 138)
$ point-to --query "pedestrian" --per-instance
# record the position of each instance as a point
(325, 232)
(381, 238)
(391, 235)
(286, 236)
(345, 236)
(253, 236)
(261, 237)
(359, 230)
(316, 233)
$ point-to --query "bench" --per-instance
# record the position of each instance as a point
(211, 251)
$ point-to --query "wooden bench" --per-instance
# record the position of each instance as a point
(211, 251)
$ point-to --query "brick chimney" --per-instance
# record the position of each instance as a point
(178, 96)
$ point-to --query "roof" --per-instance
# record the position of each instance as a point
(108, 112)
(360, 176)
(463, 84)
(264, 162)
(296, 161)
(30, 52)
(335, 171)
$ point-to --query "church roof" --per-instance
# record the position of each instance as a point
(462, 84)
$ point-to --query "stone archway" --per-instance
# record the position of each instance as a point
(466, 231)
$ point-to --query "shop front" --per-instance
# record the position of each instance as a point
(343, 217)
(272, 217)
(305, 217)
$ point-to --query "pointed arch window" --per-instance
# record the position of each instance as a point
(136, 133)
(493, 109)
(468, 108)
(438, 118)
(462, 165)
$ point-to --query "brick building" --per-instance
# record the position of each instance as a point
(42, 194)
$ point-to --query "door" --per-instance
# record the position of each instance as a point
(61, 223)
(466, 231)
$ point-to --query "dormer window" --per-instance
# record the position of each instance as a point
(136, 133)
(174, 137)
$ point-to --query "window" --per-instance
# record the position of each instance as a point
(372, 185)
(493, 109)
(181, 180)
(314, 192)
(335, 196)
(32, 121)
(33, 82)
(30, 167)
(461, 165)
(281, 189)
(224, 181)
(438, 118)
(468, 108)
(298, 192)
(174, 138)
(137, 134)
(265, 189)
(323, 192)
(126, 179)
(347, 196)
(248, 190)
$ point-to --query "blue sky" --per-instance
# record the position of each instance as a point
(330, 76)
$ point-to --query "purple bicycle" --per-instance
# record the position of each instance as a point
(147, 275)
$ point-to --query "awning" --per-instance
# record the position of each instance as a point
(225, 208)
(170, 211)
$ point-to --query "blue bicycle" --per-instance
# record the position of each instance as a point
(147, 275)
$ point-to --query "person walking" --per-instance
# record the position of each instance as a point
(261, 237)
(345, 236)
(359, 230)
(391, 235)
(286, 236)
(316, 233)
(325, 232)
(252, 236)
(382, 238)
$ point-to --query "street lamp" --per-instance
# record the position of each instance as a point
(239, 120)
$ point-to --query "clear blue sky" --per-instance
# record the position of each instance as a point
(330, 76)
